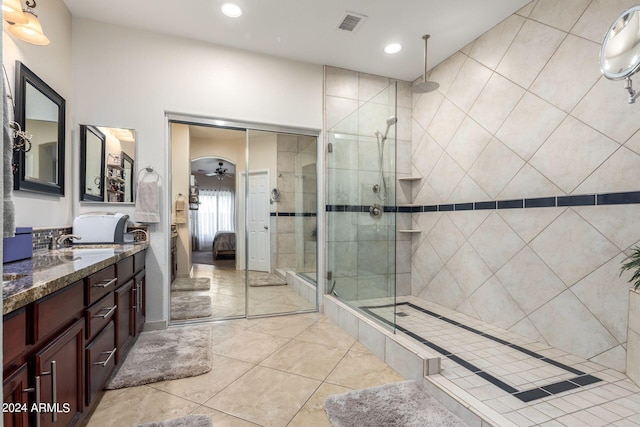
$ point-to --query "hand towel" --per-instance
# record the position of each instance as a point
(181, 210)
(8, 219)
(147, 209)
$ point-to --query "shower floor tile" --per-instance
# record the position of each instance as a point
(528, 382)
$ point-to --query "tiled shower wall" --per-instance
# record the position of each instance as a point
(524, 113)
(362, 249)
(294, 214)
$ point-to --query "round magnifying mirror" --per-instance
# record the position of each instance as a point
(620, 52)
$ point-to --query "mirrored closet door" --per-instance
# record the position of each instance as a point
(244, 222)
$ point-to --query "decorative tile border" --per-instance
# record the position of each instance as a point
(308, 214)
(625, 198)
(581, 378)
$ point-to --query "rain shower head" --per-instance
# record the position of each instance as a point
(425, 86)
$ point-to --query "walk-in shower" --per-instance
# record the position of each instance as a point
(361, 203)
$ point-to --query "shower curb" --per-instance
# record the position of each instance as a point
(413, 362)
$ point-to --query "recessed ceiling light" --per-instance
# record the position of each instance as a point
(392, 48)
(231, 10)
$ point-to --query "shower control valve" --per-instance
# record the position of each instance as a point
(375, 210)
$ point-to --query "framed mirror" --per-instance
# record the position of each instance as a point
(107, 164)
(92, 160)
(40, 111)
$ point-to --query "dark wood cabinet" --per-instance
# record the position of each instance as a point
(58, 378)
(15, 390)
(60, 350)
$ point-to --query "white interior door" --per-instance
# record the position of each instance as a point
(258, 214)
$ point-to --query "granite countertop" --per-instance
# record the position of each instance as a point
(49, 270)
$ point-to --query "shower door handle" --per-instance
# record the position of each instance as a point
(266, 228)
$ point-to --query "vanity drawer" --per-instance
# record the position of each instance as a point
(124, 269)
(100, 358)
(140, 259)
(100, 284)
(99, 314)
(57, 310)
(14, 334)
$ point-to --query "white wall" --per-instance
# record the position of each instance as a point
(52, 64)
(128, 78)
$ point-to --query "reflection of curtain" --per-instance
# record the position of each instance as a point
(215, 213)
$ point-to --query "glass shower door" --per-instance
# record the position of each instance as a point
(361, 208)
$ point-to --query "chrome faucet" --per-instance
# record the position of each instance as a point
(60, 240)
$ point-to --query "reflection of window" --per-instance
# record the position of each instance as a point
(215, 213)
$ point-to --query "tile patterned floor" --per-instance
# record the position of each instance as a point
(273, 371)
(564, 390)
(228, 293)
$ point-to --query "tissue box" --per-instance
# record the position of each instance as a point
(18, 247)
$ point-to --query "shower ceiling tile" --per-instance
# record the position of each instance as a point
(446, 72)
(607, 220)
(572, 153)
(529, 281)
(446, 122)
(496, 101)
(495, 242)
(559, 14)
(531, 122)
(426, 107)
(445, 238)
(570, 73)
(467, 143)
(468, 83)
(528, 223)
(619, 120)
(490, 47)
(577, 322)
(495, 167)
(445, 177)
(606, 295)
(529, 52)
(619, 172)
(495, 305)
(572, 248)
(468, 269)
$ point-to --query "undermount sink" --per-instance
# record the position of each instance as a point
(90, 250)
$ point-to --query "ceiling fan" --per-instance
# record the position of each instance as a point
(220, 172)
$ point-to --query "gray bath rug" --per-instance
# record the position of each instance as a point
(191, 284)
(188, 421)
(391, 405)
(265, 279)
(186, 305)
(166, 355)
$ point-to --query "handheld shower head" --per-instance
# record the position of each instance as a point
(391, 120)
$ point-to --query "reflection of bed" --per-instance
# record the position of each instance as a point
(224, 243)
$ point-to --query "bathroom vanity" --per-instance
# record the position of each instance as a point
(70, 316)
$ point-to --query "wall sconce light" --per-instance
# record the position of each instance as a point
(30, 30)
(13, 13)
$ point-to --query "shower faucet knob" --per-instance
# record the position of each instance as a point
(375, 210)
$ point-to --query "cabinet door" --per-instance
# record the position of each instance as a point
(58, 377)
(16, 399)
(139, 308)
(124, 319)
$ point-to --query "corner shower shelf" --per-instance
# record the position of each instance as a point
(410, 178)
(410, 231)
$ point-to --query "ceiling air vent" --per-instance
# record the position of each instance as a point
(351, 21)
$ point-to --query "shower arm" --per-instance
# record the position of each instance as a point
(425, 38)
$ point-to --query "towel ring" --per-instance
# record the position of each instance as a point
(148, 170)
